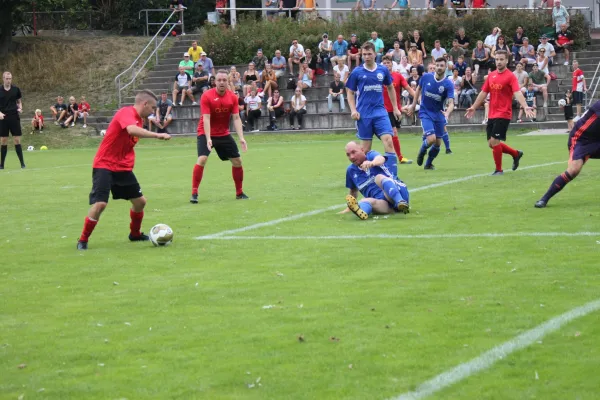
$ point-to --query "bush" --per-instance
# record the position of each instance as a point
(237, 46)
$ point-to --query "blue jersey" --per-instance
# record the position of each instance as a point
(364, 181)
(433, 96)
(369, 90)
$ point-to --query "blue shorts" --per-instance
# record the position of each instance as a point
(431, 127)
(366, 127)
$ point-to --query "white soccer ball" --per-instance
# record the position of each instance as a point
(30, 148)
(417, 107)
(161, 235)
(103, 132)
(562, 102)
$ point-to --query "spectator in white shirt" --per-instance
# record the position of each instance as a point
(298, 108)
(183, 85)
(296, 54)
(550, 52)
(325, 48)
(253, 104)
(492, 39)
(342, 69)
(437, 52)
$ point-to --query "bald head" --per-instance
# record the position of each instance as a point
(355, 153)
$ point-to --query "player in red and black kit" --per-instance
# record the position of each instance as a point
(113, 167)
(218, 106)
(399, 83)
(10, 121)
(584, 143)
(502, 85)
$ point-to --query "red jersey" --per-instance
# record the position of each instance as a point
(577, 82)
(116, 149)
(220, 108)
(84, 107)
(399, 82)
(41, 118)
(478, 3)
(501, 87)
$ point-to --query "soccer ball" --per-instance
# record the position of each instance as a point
(30, 148)
(562, 102)
(43, 148)
(161, 235)
(103, 132)
(417, 107)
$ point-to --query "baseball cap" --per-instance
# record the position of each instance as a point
(353, 35)
(544, 36)
(203, 54)
(186, 54)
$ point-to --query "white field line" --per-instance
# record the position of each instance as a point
(487, 359)
(424, 236)
(331, 208)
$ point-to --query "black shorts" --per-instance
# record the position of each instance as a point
(496, 128)
(123, 185)
(10, 124)
(225, 146)
(577, 97)
(585, 144)
(397, 123)
(568, 112)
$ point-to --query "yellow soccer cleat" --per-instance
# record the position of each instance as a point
(353, 206)
(405, 160)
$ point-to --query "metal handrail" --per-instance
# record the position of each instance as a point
(136, 71)
(146, 10)
(591, 98)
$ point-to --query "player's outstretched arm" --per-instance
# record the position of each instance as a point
(239, 129)
(135, 130)
(478, 102)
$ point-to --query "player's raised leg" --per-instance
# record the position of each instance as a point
(560, 182)
(367, 206)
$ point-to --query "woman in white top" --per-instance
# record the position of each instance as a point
(298, 103)
(342, 69)
(492, 39)
(403, 68)
(253, 104)
(542, 60)
(305, 77)
(325, 48)
(457, 81)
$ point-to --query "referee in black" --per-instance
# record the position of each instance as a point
(10, 121)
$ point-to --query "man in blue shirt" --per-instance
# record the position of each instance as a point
(367, 82)
(374, 176)
(340, 47)
(433, 91)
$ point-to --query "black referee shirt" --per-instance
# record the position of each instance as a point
(8, 100)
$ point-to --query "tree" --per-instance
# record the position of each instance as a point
(8, 7)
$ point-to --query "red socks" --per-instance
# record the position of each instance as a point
(197, 177)
(497, 153)
(238, 177)
(136, 222)
(396, 143)
(88, 228)
(508, 150)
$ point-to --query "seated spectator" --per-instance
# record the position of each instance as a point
(456, 51)
(242, 108)
(212, 82)
(207, 62)
(340, 50)
(298, 108)
(396, 53)
(310, 60)
(542, 61)
(235, 79)
(431, 68)
(492, 39)
(500, 45)
(366, 4)
(59, 110)
(468, 91)
(336, 92)
(250, 78)
(200, 80)
(253, 104)
(72, 111)
(415, 55)
(37, 122)
(403, 68)
(420, 68)
(379, 46)
(457, 82)
(527, 53)
(354, 51)
(463, 39)
(564, 41)
(418, 40)
(163, 116)
(187, 64)
(437, 51)
(295, 55)
(403, 5)
(560, 15)
(522, 77)
(305, 77)
(518, 43)
(183, 85)
(276, 109)
(269, 80)
(278, 64)
(195, 51)
(273, 11)
(550, 52)
(530, 99)
(84, 111)
(325, 49)
(342, 69)
(461, 66)
(480, 56)
(414, 76)
(449, 69)
(540, 81)
(260, 61)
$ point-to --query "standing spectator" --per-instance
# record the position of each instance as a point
(501, 45)
(11, 105)
(310, 13)
(550, 53)
(468, 88)
(275, 108)
(456, 51)
(187, 64)
(354, 51)
(260, 61)
(340, 50)
(289, 5)
(437, 52)
(342, 69)
(518, 43)
(564, 41)
(250, 78)
(458, 4)
(478, 3)
(278, 64)
(200, 80)
(366, 4)
(548, 3)
(182, 84)
(560, 15)
(195, 51)
(37, 122)
(492, 39)
(273, 11)
(378, 43)
(530, 99)
(207, 62)
(59, 110)
(578, 87)
(396, 53)
(72, 111)
(235, 79)
(253, 104)
(305, 77)
(542, 61)
(436, 3)
(296, 54)
(420, 43)
(527, 53)
(298, 103)
(336, 92)
(269, 80)
(463, 39)
(540, 81)
(84, 111)
(325, 48)
(403, 5)
(522, 77)
(480, 56)
(163, 116)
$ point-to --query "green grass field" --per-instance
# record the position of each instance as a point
(329, 312)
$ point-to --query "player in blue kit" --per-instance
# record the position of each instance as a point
(374, 176)
(434, 89)
(367, 108)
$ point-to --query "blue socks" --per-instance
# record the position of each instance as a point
(435, 150)
(446, 140)
(366, 207)
(424, 148)
(391, 163)
(390, 188)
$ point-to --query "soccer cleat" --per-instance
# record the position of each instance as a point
(431, 167)
(448, 151)
(402, 207)
(81, 245)
(405, 160)
(420, 158)
(354, 207)
(22, 166)
(194, 199)
(496, 173)
(1, 166)
(141, 238)
(516, 160)
(241, 196)
(540, 204)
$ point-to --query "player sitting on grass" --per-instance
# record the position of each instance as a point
(375, 177)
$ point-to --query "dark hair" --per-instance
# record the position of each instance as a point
(145, 95)
(501, 37)
(368, 46)
(440, 59)
(387, 58)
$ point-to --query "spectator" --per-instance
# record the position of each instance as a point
(456, 4)
(478, 3)
(305, 77)
(163, 116)
(310, 60)
(336, 92)
(187, 64)
(457, 82)
(269, 80)
(72, 111)
(260, 61)
(290, 5)
(579, 86)
(250, 78)
(522, 77)
(59, 110)
(415, 56)
(436, 3)
(456, 51)
(275, 108)
(431, 68)
(463, 39)
(492, 39)
(296, 54)
(207, 62)
(449, 69)
(403, 5)
(37, 122)
(310, 14)
(195, 51)
(340, 50)
(461, 66)
(342, 69)
(354, 51)
(378, 43)
(242, 108)
(517, 43)
(419, 42)
(549, 49)
(414, 76)
(480, 56)
(437, 52)
(549, 3)
(325, 48)
(235, 79)
(560, 15)
(540, 81)
(501, 45)
(568, 108)
(278, 64)
(530, 99)
(527, 53)
(542, 61)
(396, 53)
(468, 89)
(564, 41)
(253, 104)
(273, 11)
(212, 82)
(403, 68)
(84, 111)
(182, 84)
(367, 4)
(200, 80)
(298, 108)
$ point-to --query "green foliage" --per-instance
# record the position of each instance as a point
(226, 45)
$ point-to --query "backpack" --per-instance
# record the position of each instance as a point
(291, 84)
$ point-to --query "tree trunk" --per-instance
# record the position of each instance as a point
(6, 27)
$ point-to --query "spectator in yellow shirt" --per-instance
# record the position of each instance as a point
(195, 51)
